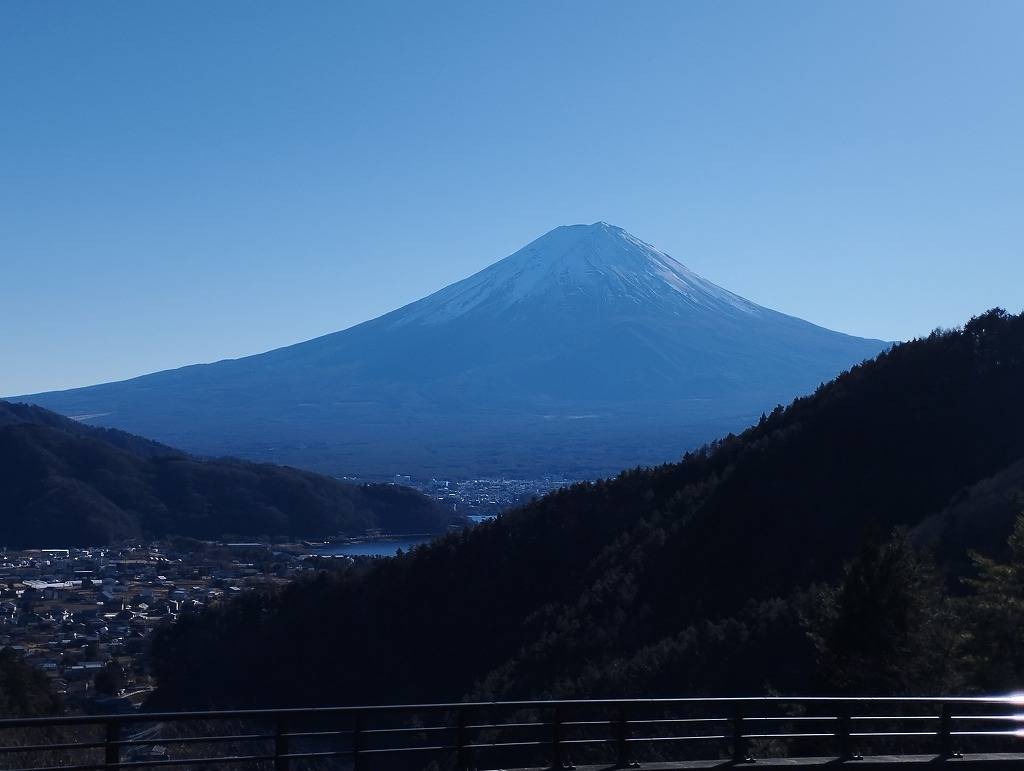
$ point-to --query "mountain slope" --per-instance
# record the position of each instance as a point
(584, 352)
(977, 518)
(63, 483)
(670, 580)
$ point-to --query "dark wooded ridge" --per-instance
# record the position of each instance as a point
(765, 562)
(69, 484)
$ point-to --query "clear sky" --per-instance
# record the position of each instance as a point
(190, 181)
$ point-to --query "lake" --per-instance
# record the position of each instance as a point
(389, 545)
(377, 547)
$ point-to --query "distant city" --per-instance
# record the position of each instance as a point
(481, 498)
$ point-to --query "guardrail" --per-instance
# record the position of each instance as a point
(530, 734)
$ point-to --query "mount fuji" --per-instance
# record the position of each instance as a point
(584, 352)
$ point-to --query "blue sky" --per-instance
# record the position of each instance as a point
(184, 182)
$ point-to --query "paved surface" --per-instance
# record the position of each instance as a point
(988, 761)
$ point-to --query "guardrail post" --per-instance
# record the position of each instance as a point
(739, 741)
(843, 733)
(357, 742)
(622, 740)
(558, 750)
(462, 755)
(946, 733)
(280, 743)
(111, 748)
(556, 739)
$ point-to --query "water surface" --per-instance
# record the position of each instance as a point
(376, 547)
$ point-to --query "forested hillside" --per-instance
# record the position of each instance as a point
(25, 691)
(67, 484)
(773, 559)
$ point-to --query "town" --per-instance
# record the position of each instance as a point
(484, 497)
(84, 616)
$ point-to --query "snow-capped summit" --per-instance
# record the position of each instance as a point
(598, 262)
(585, 351)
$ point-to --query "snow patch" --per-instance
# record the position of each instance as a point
(598, 259)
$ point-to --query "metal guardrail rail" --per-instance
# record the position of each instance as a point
(539, 734)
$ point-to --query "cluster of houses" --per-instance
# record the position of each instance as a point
(83, 616)
(480, 499)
